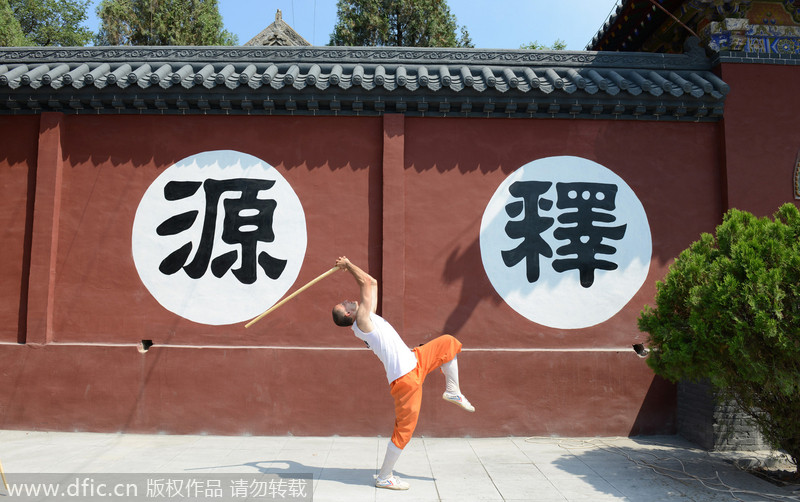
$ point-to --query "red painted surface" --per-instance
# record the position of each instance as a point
(761, 144)
(46, 224)
(264, 391)
(677, 186)
(17, 168)
(394, 220)
(402, 197)
(326, 161)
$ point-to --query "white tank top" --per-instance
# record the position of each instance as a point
(386, 343)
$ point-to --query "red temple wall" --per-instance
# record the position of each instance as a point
(761, 145)
(669, 179)
(402, 197)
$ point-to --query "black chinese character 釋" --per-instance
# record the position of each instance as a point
(583, 205)
(246, 221)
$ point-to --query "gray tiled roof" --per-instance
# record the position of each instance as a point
(360, 81)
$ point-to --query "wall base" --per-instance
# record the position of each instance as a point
(323, 391)
(712, 425)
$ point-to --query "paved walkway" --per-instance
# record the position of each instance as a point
(648, 469)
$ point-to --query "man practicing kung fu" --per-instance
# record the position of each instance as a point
(406, 368)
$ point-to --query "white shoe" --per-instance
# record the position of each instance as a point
(459, 400)
(393, 483)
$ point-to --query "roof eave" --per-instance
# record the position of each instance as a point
(360, 81)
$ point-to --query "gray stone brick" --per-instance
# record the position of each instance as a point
(712, 425)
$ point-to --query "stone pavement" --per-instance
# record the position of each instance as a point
(643, 469)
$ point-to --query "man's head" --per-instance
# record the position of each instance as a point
(344, 314)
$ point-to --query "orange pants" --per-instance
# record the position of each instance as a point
(407, 390)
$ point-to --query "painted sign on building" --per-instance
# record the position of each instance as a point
(565, 242)
(218, 237)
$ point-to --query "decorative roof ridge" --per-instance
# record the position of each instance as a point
(281, 31)
(693, 59)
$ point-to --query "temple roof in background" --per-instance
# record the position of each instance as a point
(279, 33)
(770, 27)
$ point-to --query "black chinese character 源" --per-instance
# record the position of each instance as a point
(246, 221)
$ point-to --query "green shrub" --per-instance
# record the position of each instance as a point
(729, 311)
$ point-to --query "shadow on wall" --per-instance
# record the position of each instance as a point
(465, 266)
(658, 413)
(147, 141)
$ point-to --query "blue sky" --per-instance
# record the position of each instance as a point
(492, 24)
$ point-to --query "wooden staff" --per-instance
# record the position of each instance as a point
(2, 474)
(310, 283)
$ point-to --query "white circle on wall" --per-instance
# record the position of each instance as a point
(565, 242)
(219, 237)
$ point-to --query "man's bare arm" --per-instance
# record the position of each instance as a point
(368, 285)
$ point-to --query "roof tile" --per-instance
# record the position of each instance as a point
(372, 81)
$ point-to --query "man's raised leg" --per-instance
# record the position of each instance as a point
(452, 392)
